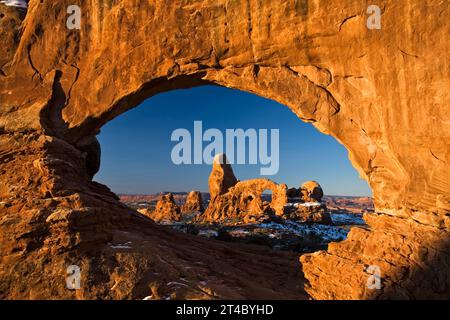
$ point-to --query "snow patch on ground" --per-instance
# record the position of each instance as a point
(327, 233)
(309, 204)
(304, 204)
(208, 233)
(174, 283)
(347, 219)
(126, 245)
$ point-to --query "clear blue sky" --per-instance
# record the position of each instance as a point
(136, 146)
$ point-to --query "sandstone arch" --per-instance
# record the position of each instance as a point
(256, 187)
(383, 94)
(243, 201)
(232, 199)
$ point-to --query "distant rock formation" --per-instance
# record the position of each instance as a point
(243, 202)
(194, 203)
(308, 212)
(311, 191)
(166, 210)
(221, 177)
(234, 201)
(305, 204)
(293, 193)
(240, 201)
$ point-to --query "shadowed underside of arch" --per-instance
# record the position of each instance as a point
(382, 93)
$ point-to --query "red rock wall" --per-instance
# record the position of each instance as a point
(383, 94)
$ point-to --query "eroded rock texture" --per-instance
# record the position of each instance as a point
(383, 94)
(305, 204)
(240, 201)
(194, 203)
(311, 191)
(244, 202)
(221, 178)
(309, 214)
(166, 210)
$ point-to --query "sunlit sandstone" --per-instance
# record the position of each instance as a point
(382, 93)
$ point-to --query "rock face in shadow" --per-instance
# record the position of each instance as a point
(383, 94)
(10, 21)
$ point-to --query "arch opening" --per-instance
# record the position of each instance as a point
(257, 202)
